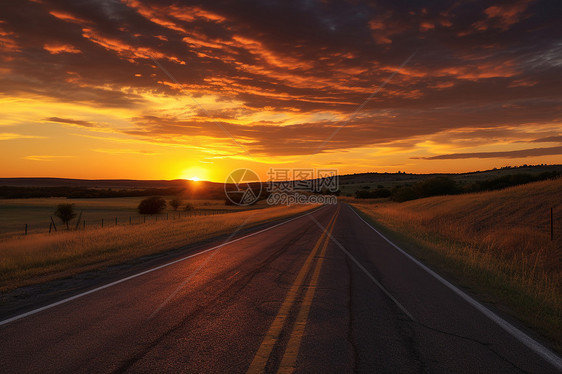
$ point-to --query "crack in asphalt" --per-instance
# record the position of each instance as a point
(223, 297)
(484, 344)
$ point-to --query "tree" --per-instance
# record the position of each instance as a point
(188, 207)
(403, 193)
(436, 186)
(65, 212)
(175, 203)
(152, 205)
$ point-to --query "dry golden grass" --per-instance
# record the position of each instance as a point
(41, 257)
(497, 240)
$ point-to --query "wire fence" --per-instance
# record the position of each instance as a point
(54, 225)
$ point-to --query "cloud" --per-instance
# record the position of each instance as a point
(74, 122)
(12, 136)
(308, 65)
(549, 139)
(115, 151)
(45, 157)
(533, 152)
(56, 48)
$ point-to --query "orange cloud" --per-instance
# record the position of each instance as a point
(190, 13)
(7, 42)
(384, 27)
(426, 26)
(163, 15)
(125, 50)
(475, 72)
(56, 48)
(509, 14)
(67, 17)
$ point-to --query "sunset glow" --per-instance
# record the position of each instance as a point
(142, 90)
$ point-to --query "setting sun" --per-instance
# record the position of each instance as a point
(195, 174)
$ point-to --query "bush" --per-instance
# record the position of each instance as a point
(436, 186)
(380, 192)
(175, 203)
(152, 205)
(189, 207)
(65, 212)
(401, 194)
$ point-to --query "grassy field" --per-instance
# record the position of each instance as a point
(37, 258)
(15, 213)
(495, 243)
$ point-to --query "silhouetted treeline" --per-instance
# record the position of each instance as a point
(10, 192)
(441, 185)
(511, 180)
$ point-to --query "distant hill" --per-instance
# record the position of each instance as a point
(352, 182)
(349, 184)
(98, 183)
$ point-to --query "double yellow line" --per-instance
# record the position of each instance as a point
(291, 352)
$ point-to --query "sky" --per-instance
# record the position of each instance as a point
(148, 89)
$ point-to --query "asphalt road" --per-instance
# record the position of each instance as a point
(323, 293)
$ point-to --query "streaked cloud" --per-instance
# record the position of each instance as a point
(45, 157)
(522, 153)
(12, 136)
(282, 76)
(68, 121)
(117, 151)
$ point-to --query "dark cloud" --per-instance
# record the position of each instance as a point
(549, 139)
(71, 121)
(479, 64)
(533, 152)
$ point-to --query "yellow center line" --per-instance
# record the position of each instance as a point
(262, 355)
(290, 357)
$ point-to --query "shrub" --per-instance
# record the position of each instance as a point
(380, 192)
(362, 194)
(175, 203)
(65, 212)
(152, 205)
(435, 186)
(405, 193)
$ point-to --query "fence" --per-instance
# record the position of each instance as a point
(82, 224)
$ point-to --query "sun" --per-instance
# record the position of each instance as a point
(194, 174)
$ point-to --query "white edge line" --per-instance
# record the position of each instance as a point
(531, 343)
(27, 314)
(379, 285)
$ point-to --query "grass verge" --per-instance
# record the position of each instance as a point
(42, 257)
(497, 244)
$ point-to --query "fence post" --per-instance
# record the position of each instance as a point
(102, 222)
(53, 222)
(84, 224)
(130, 221)
(26, 229)
(50, 226)
(115, 221)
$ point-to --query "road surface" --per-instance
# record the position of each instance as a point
(323, 293)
